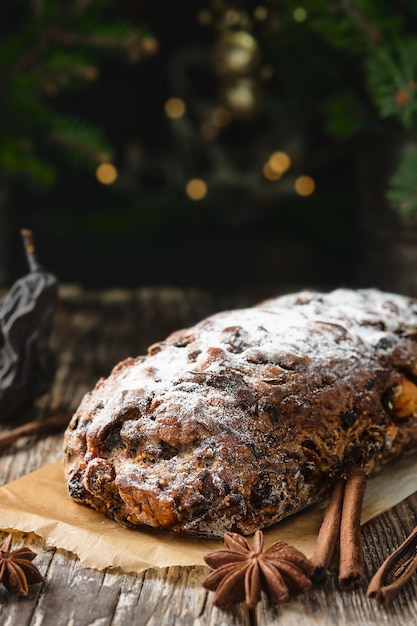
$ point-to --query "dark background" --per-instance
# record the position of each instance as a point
(143, 230)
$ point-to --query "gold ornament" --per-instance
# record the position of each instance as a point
(236, 61)
(241, 96)
(236, 53)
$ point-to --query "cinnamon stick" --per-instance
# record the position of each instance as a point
(341, 522)
(395, 571)
(351, 563)
(329, 533)
(55, 421)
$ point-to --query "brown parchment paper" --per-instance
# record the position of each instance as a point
(39, 503)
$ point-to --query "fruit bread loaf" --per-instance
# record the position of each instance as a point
(249, 416)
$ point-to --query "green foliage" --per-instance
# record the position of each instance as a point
(368, 75)
(352, 27)
(18, 158)
(82, 143)
(355, 27)
(392, 79)
(345, 114)
(54, 46)
(403, 189)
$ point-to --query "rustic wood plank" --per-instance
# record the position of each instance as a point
(79, 596)
(94, 331)
(75, 594)
(20, 610)
(174, 596)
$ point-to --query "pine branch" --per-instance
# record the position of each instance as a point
(21, 54)
(121, 38)
(18, 157)
(392, 79)
(362, 22)
(80, 141)
(402, 193)
(58, 45)
(62, 68)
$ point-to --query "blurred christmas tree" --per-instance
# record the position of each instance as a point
(375, 43)
(324, 81)
(363, 61)
(49, 47)
(286, 71)
(349, 66)
(247, 128)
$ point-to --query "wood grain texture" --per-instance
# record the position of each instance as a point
(93, 331)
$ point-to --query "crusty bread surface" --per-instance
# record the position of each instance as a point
(250, 415)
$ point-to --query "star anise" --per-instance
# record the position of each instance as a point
(17, 571)
(241, 572)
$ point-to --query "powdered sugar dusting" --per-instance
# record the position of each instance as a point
(271, 389)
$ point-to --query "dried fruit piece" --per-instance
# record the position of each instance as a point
(27, 365)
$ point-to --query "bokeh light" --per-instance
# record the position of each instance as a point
(260, 13)
(280, 161)
(196, 189)
(221, 116)
(299, 14)
(270, 173)
(304, 185)
(175, 108)
(106, 173)
(208, 131)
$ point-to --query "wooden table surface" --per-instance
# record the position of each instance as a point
(93, 331)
